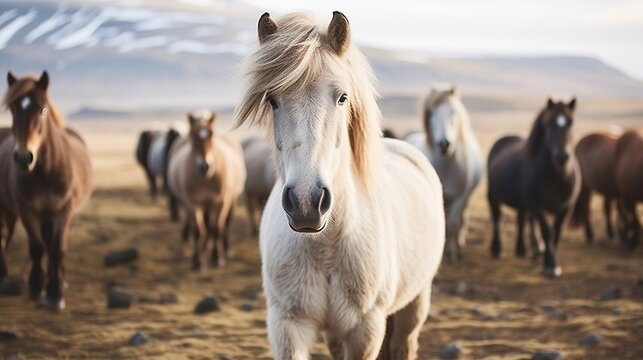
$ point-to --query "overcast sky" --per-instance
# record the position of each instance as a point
(611, 30)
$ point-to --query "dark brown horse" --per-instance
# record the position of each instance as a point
(629, 179)
(537, 176)
(596, 155)
(45, 176)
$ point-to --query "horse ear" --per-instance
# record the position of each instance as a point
(11, 79)
(192, 120)
(339, 33)
(43, 82)
(550, 103)
(572, 104)
(213, 119)
(454, 91)
(266, 27)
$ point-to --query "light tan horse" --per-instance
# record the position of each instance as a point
(353, 231)
(45, 177)
(206, 173)
(261, 176)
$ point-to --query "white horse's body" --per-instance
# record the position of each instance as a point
(261, 175)
(354, 229)
(459, 166)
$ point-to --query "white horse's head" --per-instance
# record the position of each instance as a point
(444, 117)
(314, 92)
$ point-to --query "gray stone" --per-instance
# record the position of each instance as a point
(248, 305)
(611, 294)
(121, 257)
(119, 299)
(12, 285)
(546, 355)
(208, 304)
(591, 340)
(6, 335)
(452, 351)
(139, 338)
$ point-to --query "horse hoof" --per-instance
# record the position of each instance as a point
(552, 272)
(55, 305)
(198, 267)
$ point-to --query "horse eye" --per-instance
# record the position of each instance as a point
(273, 103)
(44, 112)
(342, 99)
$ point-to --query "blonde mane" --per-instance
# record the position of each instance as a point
(24, 86)
(293, 58)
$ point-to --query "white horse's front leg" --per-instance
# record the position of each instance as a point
(454, 222)
(365, 340)
(290, 338)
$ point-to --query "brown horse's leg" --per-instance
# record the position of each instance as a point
(36, 251)
(537, 246)
(607, 210)
(200, 243)
(585, 201)
(151, 179)
(496, 246)
(173, 205)
(220, 239)
(250, 203)
(550, 261)
(4, 242)
(521, 250)
(56, 242)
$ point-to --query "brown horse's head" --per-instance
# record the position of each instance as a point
(202, 140)
(552, 132)
(27, 100)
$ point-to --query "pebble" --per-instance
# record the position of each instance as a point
(546, 355)
(459, 288)
(119, 299)
(6, 335)
(12, 285)
(452, 351)
(139, 338)
(591, 340)
(611, 294)
(248, 305)
(121, 257)
(208, 304)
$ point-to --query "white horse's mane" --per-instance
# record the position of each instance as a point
(295, 56)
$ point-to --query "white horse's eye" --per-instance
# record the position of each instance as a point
(272, 102)
(342, 99)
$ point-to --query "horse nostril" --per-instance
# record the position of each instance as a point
(324, 201)
(288, 200)
(563, 157)
(444, 145)
(29, 158)
(16, 157)
(203, 168)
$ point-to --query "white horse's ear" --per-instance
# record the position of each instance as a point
(454, 91)
(339, 33)
(11, 79)
(572, 104)
(266, 27)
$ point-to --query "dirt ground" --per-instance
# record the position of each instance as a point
(491, 308)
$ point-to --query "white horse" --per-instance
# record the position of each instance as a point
(353, 230)
(449, 143)
(261, 176)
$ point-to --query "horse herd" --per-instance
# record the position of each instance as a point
(354, 224)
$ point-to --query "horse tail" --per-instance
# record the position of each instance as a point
(580, 212)
(143, 147)
(170, 138)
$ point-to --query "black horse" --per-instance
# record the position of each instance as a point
(537, 176)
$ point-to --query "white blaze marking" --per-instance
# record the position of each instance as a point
(26, 101)
(561, 121)
(203, 134)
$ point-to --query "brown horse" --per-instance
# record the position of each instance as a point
(536, 176)
(45, 179)
(206, 173)
(629, 179)
(596, 154)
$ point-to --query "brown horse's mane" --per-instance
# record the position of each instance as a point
(23, 87)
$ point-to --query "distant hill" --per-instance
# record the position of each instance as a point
(173, 55)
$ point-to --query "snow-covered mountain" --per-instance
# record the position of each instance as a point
(163, 54)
